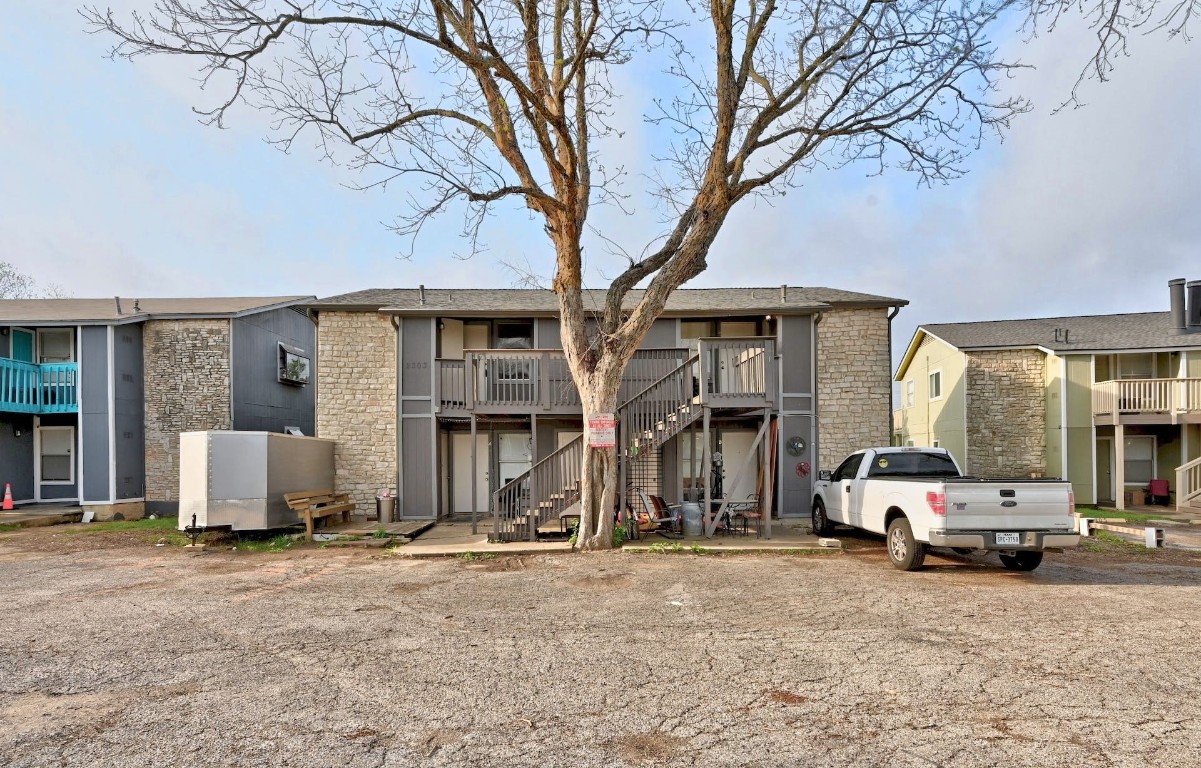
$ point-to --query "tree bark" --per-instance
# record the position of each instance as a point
(598, 488)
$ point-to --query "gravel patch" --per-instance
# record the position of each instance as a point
(132, 655)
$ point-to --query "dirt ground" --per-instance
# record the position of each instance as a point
(115, 652)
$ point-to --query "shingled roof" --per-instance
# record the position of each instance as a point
(1143, 330)
(502, 301)
(126, 310)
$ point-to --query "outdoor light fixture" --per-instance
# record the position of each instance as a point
(16, 430)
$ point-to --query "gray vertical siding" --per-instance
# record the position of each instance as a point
(6, 342)
(418, 492)
(16, 454)
(93, 414)
(662, 335)
(796, 492)
(128, 407)
(261, 402)
(548, 333)
(796, 362)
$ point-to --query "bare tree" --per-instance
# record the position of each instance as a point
(475, 102)
(15, 284)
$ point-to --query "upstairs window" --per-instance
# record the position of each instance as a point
(56, 345)
(936, 385)
(293, 365)
(910, 393)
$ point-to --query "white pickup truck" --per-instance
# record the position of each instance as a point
(917, 497)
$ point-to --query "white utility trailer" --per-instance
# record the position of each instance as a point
(237, 480)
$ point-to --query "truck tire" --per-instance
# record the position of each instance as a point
(1022, 561)
(905, 552)
(821, 524)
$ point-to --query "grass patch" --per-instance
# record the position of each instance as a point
(280, 542)
(1109, 543)
(1138, 517)
(473, 556)
(6, 527)
(665, 548)
(120, 526)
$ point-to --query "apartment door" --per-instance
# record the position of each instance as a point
(515, 454)
(734, 445)
(1105, 470)
(22, 345)
(55, 457)
(460, 492)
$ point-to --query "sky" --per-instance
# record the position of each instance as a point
(112, 186)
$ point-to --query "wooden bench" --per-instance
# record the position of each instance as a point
(316, 504)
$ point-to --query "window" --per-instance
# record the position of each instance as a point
(910, 393)
(1140, 460)
(915, 464)
(848, 468)
(56, 345)
(936, 385)
(293, 365)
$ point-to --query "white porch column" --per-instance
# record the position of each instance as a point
(1119, 469)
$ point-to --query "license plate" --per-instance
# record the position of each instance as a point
(1009, 538)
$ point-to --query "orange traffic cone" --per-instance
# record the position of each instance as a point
(8, 497)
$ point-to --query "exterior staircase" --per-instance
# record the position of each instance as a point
(733, 373)
(548, 494)
(1188, 486)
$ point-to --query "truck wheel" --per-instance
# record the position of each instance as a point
(1022, 561)
(905, 552)
(821, 523)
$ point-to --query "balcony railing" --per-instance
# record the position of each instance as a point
(32, 388)
(736, 372)
(499, 380)
(1170, 398)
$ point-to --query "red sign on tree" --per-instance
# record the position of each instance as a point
(602, 431)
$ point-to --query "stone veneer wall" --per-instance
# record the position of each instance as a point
(356, 401)
(187, 388)
(854, 379)
(1006, 415)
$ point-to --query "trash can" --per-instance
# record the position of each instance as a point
(692, 519)
(385, 508)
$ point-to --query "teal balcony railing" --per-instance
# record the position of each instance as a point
(32, 388)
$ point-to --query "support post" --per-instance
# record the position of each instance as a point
(623, 460)
(705, 466)
(769, 474)
(475, 515)
(1119, 469)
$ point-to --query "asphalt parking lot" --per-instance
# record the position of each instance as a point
(119, 653)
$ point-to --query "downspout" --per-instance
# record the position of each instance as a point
(817, 425)
(891, 398)
(399, 445)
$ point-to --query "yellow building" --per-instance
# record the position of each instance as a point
(1109, 402)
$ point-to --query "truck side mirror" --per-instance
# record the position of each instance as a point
(825, 474)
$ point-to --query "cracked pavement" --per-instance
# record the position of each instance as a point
(142, 656)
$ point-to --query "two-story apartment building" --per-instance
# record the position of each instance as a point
(1108, 402)
(460, 400)
(94, 392)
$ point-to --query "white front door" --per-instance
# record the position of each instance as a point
(514, 455)
(735, 445)
(55, 457)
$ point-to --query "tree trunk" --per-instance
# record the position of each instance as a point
(598, 489)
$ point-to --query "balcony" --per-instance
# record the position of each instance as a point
(1147, 401)
(738, 372)
(38, 389)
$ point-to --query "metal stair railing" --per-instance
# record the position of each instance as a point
(551, 486)
(1188, 484)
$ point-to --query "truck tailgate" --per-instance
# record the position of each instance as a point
(998, 505)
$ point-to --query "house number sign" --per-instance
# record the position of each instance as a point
(602, 431)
